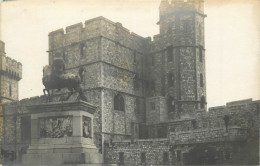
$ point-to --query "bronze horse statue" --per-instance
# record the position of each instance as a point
(54, 77)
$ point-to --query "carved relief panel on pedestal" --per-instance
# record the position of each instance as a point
(55, 127)
(86, 123)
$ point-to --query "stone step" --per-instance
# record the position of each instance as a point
(46, 149)
(61, 158)
(74, 165)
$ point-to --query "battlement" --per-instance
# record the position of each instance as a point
(208, 135)
(239, 103)
(8, 65)
(92, 28)
(234, 107)
(168, 7)
(11, 67)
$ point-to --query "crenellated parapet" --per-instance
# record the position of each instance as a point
(9, 66)
(93, 28)
(173, 6)
(242, 114)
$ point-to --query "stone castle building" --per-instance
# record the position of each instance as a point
(10, 74)
(150, 94)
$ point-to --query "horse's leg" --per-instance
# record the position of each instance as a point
(49, 96)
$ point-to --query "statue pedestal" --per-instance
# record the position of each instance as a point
(62, 134)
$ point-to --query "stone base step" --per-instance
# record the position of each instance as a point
(69, 165)
(49, 159)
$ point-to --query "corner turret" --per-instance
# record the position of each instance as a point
(10, 74)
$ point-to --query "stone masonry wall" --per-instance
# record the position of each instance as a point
(153, 150)
(118, 122)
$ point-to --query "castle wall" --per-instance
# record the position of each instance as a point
(156, 110)
(239, 144)
(10, 74)
(153, 151)
(117, 122)
(10, 88)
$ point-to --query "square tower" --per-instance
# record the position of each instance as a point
(110, 61)
(10, 75)
(177, 58)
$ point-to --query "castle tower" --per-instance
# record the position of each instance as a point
(179, 50)
(109, 59)
(10, 74)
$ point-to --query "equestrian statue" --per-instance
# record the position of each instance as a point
(55, 78)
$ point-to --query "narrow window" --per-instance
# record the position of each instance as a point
(143, 158)
(226, 119)
(202, 102)
(200, 37)
(169, 53)
(135, 58)
(152, 86)
(64, 56)
(186, 26)
(137, 106)
(82, 50)
(153, 105)
(121, 158)
(119, 103)
(201, 52)
(136, 83)
(170, 104)
(161, 132)
(165, 158)
(194, 124)
(152, 59)
(178, 156)
(201, 80)
(170, 79)
(10, 90)
(82, 74)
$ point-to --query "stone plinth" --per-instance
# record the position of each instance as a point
(61, 134)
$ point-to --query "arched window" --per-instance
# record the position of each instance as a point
(201, 80)
(119, 103)
(170, 104)
(202, 102)
(170, 79)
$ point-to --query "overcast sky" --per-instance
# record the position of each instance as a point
(231, 29)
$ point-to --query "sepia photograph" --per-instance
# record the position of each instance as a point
(129, 82)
